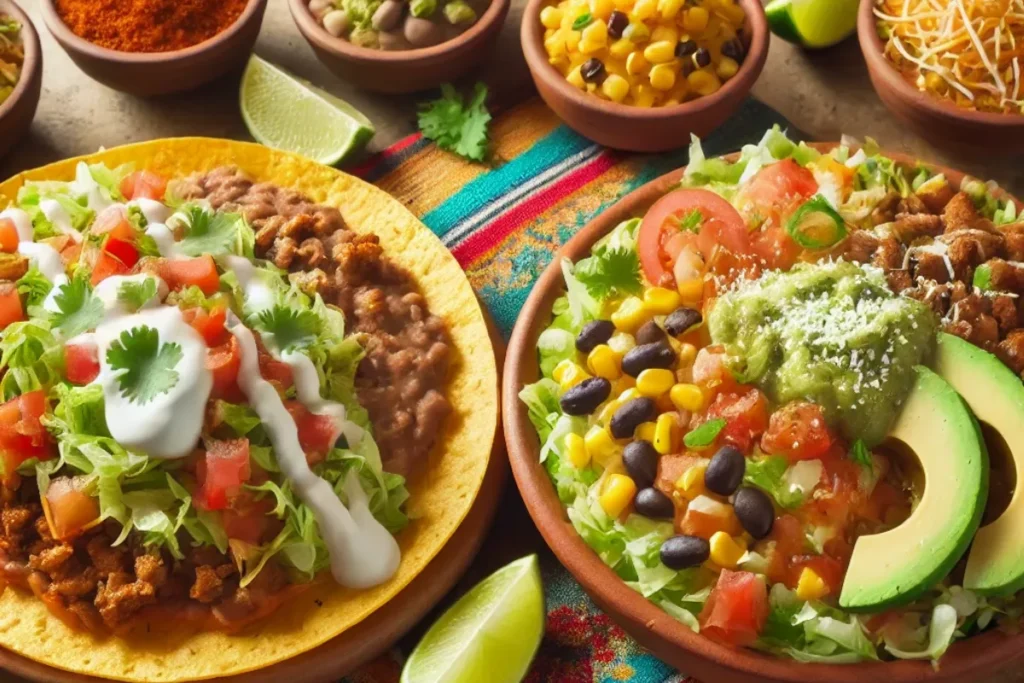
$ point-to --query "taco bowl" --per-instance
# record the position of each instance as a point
(404, 360)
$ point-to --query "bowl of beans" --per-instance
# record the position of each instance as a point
(643, 75)
(399, 46)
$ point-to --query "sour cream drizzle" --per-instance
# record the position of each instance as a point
(45, 257)
(56, 214)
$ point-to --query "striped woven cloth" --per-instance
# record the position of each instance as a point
(503, 222)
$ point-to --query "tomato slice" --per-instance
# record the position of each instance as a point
(666, 230)
(209, 324)
(797, 431)
(746, 416)
(248, 519)
(317, 433)
(113, 222)
(11, 310)
(143, 184)
(200, 271)
(81, 363)
(221, 473)
(22, 434)
(736, 610)
(224, 362)
(274, 371)
(70, 508)
(123, 251)
(8, 236)
(106, 265)
(776, 191)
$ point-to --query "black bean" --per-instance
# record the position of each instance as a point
(755, 511)
(680, 552)
(682, 320)
(585, 397)
(686, 67)
(617, 23)
(733, 49)
(592, 70)
(649, 333)
(686, 48)
(640, 358)
(652, 503)
(627, 418)
(594, 333)
(701, 57)
(641, 461)
(725, 471)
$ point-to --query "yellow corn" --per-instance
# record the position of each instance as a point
(663, 76)
(621, 342)
(646, 431)
(660, 52)
(704, 82)
(615, 87)
(605, 416)
(688, 397)
(637, 32)
(661, 301)
(643, 95)
(733, 13)
(691, 291)
(636, 64)
(618, 493)
(669, 8)
(602, 9)
(575, 78)
(568, 374)
(595, 34)
(691, 484)
(665, 33)
(576, 449)
(725, 550)
(727, 68)
(629, 395)
(630, 315)
(810, 586)
(644, 9)
(604, 362)
(601, 446)
(551, 17)
(687, 353)
(654, 382)
(572, 40)
(696, 19)
(621, 48)
(622, 384)
(666, 434)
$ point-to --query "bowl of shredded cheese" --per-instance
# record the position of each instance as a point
(952, 69)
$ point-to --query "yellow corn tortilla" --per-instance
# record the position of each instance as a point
(440, 497)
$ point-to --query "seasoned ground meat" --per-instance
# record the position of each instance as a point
(401, 379)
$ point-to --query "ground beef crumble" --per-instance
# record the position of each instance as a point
(401, 380)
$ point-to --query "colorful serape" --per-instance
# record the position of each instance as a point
(503, 222)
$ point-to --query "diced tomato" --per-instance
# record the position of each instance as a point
(224, 362)
(317, 433)
(661, 239)
(797, 431)
(113, 222)
(143, 184)
(828, 568)
(776, 248)
(107, 265)
(671, 467)
(210, 324)
(221, 473)
(8, 236)
(776, 191)
(81, 363)
(736, 610)
(11, 310)
(710, 371)
(785, 540)
(746, 416)
(275, 371)
(123, 251)
(703, 525)
(180, 273)
(71, 510)
(247, 519)
(22, 434)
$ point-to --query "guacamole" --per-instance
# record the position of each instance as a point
(830, 333)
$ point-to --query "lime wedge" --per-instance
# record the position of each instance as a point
(288, 113)
(812, 23)
(490, 634)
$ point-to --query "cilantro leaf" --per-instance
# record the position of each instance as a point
(691, 221)
(616, 271)
(80, 310)
(582, 21)
(292, 328)
(455, 125)
(860, 454)
(212, 232)
(146, 365)
(705, 434)
(134, 294)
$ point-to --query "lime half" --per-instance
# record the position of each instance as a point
(288, 113)
(812, 23)
(489, 636)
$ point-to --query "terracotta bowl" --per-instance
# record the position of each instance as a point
(942, 123)
(638, 129)
(17, 111)
(402, 71)
(160, 73)
(978, 659)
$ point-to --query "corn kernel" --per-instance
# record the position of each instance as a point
(605, 416)
(696, 19)
(704, 82)
(572, 40)
(615, 87)
(614, 66)
(604, 362)
(935, 83)
(629, 394)
(637, 33)
(630, 315)
(595, 34)
(691, 484)
(576, 449)
(734, 14)
(575, 78)
(727, 68)
(618, 493)
(810, 586)
(646, 431)
(669, 8)
(666, 434)
(644, 9)
(622, 384)
(643, 95)
(691, 291)
(688, 397)
(663, 76)
(602, 9)
(623, 5)
(601, 446)
(568, 374)
(725, 550)
(661, 301)
(687, 354)
(665, 33)
(654, 382)
(621, 48)
(660, 53)
(551, 17)
(621, 342)
(636, 64)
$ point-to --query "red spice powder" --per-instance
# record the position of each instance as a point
(148, 25)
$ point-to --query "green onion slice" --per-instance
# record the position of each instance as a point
(582, 21)
(705, 434)
(816, 225)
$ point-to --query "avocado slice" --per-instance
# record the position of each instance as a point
(995, 394)
(899, 565)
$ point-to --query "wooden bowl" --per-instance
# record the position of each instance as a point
(402, 71)
(975, 660)
(17, 111)
(940, 122)
(160, 73)
(639, 129)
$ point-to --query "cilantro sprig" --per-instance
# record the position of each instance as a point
(691, 222)
(212, 232)
(291, 328)
(79, 309)
(455, 125)
(704, 435)
(860, 454)
(134, 294)
(615, 271)
(146, 366)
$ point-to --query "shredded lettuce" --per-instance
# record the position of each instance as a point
(31, 357)
(941, 630)
(768, 473)
(541, 399)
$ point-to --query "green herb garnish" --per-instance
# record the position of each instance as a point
(582, 21)
(983, 277)
(455, 125)
(136, 294)
(212, 232)
(79, 309)
(691, 222)
(616, 271)
(290, 327)
(704, 435)
(860, 454)
(146, 365)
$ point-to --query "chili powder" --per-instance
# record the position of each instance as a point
(148, 25)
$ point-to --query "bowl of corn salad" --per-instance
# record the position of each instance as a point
(643, 75)
(21, 73)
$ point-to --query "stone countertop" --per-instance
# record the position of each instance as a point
(825, 93)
